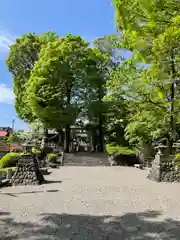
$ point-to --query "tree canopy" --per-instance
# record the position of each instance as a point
(131, 102)
(22, 57)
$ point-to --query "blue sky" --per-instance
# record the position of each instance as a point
(90, 19)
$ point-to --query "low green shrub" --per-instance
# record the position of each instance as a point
(177, 159)
(36, 151)
(52, 157)
(178, 156)
(119, 150)
(9, 160)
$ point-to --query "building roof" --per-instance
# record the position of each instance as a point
(5, 129)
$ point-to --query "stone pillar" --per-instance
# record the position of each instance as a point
(9, 173)
(1, 177)
(155, 172)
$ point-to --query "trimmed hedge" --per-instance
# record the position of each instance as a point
(9, 160)
(177, 159)
(52, 157)
(119, 150)
(36, 151)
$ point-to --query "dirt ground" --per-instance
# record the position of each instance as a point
(91, 203)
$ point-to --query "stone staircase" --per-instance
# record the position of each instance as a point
(86, 159)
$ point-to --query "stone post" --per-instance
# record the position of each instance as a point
(155, 173)
(176, 147)
(9, 174)
(62, 158)
(1, 177)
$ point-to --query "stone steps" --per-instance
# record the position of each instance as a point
(86, 159)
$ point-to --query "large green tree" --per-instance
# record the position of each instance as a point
(22, 57)
(143, 114)
(151, 31)
(100, 63)
(56, 84)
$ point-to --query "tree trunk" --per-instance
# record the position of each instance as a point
(93, 140)
(44, 139)
(67, 128)
(172, 120)
(101, 134)
(101, 121)
(44, 144)
(67, 138)
(61, 137)
(170, 145)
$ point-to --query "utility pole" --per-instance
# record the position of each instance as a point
(13, 124)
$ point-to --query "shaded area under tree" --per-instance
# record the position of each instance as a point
(143, 225)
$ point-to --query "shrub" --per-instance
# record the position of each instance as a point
(119, 150)
(178, 156)
(177, 159)
(9, 160)
(52, 157)
(36, 151)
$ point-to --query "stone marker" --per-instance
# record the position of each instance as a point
(28, 172)
(9, 173)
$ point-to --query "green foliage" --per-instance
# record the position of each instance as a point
(150, 30)
(17, 137)
(20, 137)
(52, 157)
(36, 151)
(20, 62)
(9, 160)
(55, 81)
(178, 156)
(22, 57)
(119, 150)
(177, 159)
(102, 59)
(146, 125)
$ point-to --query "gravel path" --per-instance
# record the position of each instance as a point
(91, 203)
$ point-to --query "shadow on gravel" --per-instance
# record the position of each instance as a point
(4, 213)
(51, 181)
(30, 192)
(130, 226)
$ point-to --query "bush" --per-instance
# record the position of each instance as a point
(178, 156)
(52, 157)
(177, 159)
(36, 151)
(9, 160)
(120, 155)
(119, 150)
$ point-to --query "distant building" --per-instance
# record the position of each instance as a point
(5, 132)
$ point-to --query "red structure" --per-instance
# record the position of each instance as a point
(4, 133)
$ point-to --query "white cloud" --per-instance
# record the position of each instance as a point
(6, 94)
(6, 40)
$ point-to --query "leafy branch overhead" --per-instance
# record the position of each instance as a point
(60, 81)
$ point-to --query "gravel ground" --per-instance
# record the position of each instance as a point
(91, 203)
